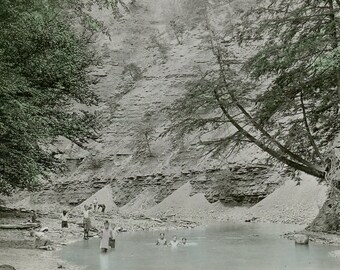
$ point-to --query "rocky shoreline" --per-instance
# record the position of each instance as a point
(27, 258)
(182, 209)
(17, 246)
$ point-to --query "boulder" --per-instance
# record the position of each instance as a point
(6, 267)
(301, 239)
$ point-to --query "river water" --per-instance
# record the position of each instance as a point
(220, 247)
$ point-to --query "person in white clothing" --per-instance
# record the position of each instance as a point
(105, 235)
(174, 242)
(64, 219)
(64, 223)
(41, 241)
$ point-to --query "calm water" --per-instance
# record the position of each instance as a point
(222, 247)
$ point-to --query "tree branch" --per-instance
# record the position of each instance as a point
(309, 170)
(309, 134)
(252, 120)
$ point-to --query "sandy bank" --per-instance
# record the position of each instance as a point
(31, 259)
(291, 203)
(295, 203)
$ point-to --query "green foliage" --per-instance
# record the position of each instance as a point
(292, 113)
(134, 71)
(157, 43)
(43, 63)
(144, 135)
(178, 29)
(300, 52)
(183, 16)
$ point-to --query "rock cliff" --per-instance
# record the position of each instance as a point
(145, 68)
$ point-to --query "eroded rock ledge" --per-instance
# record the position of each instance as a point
(241, 185)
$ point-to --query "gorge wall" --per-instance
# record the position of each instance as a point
(144, 70)
(241, 185)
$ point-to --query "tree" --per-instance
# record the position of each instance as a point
(43, 72)
(294, 118)
(301, 54)
(135, 72)
(182, 16)
(144, 135)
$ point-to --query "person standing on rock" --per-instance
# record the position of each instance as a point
(64, 222)
(102, 206)
(34, 217)
(86, 222)
(64, 219)
(95, 204)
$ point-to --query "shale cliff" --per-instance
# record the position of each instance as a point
(146, 64)
(144, 70)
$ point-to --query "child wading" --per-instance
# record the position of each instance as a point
(106, 236)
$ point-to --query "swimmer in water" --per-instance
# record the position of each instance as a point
(174, 242)
(161, 241)
(184, 241)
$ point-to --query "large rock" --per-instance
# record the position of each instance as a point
(301, 239)
(328, 217)
(6, 267)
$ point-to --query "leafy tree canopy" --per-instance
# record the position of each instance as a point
(43, 71)
(292, 110)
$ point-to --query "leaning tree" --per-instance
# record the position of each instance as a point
(284, 98)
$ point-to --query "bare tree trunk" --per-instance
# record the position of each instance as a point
(309, 134)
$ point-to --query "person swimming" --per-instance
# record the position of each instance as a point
(174, 242)
(183, 241)
(161, 241)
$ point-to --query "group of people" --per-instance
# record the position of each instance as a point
(107, 234)
(161, 241)
(97, 206)
(43, 242)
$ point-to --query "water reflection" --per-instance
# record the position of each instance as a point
(104, 261)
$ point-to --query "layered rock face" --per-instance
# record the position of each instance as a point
(144, 70)
(68, 192)
(243, 185)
